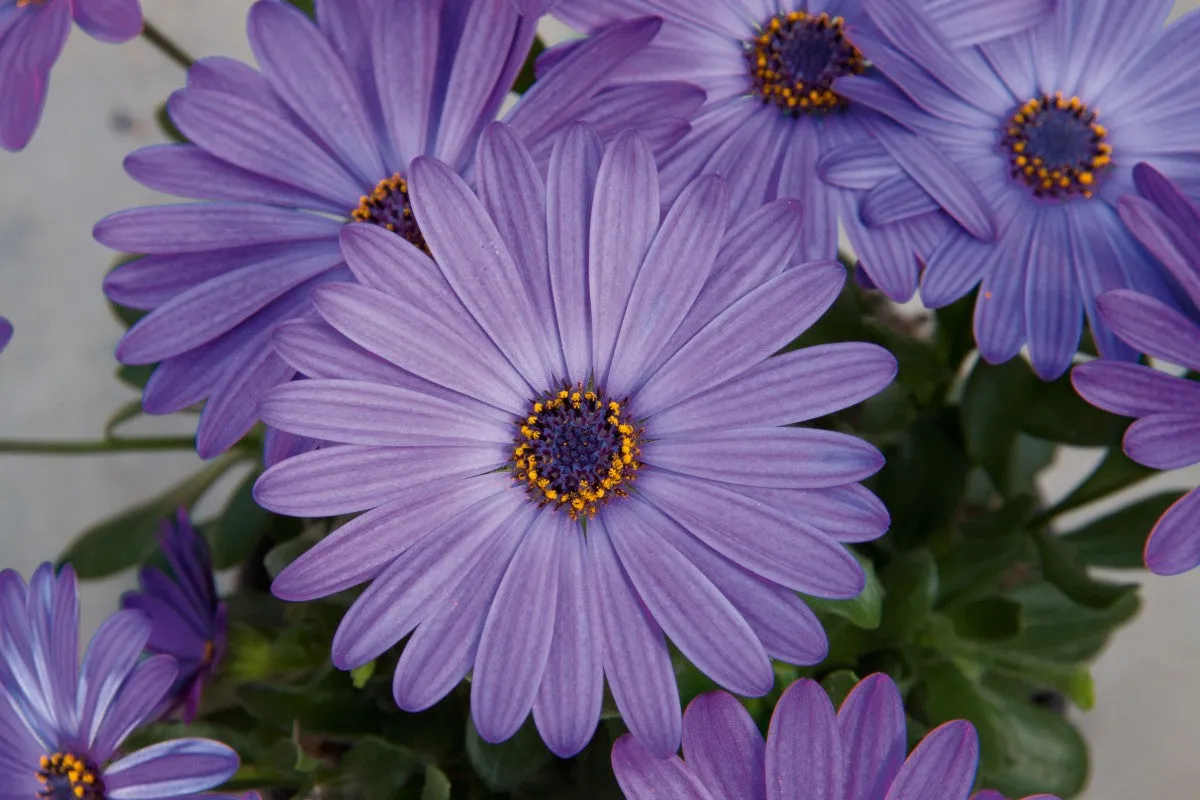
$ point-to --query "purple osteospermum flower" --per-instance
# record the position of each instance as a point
(188, 618)
(771, 119)
(323, 136)
(32, 34)
(569, 359)
(1047, 124)
(857, 754)
(61, 724)
(1166, 434)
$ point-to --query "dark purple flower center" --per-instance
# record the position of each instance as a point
(65, 776)
(575, 450)
(388, 206)
(1056, 147)
(796, 58)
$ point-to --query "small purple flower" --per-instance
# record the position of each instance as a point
(568, 435)
(188, 618)
(1044, 127)
(810, 752)
(322, 136)
(1166, 434)
(61, 724)
(6, 333)
(771, 123)
(32, 34)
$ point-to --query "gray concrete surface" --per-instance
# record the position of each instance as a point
(56, 381)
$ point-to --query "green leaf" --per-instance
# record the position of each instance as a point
(307, 6)
(924, 479)
(135, 377)
(376, 770)
(527, 75)
(838, 684)
(1062, 569)
(992, 401)
(1055, 412)
(955, 338)
(360, 675)
(1118, 539)
(1059, 629)
(910, 584)
(279, 556)
(864, 609)
(505, 766)
(989, 619)
(437, 785)
(1114, 473)
(236, 533)
(342, 715)
(128, 538)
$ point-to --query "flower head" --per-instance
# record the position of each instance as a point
(1166, 434)
(1047, 135)
(857, 753)
(773, 119)
(62, 724)
(321, 136)
(32, 34)
(6, 332)
(187, 617)
(568, 434)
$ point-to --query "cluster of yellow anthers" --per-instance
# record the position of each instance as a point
(83, 781)
(1056, 180)
(608, 467)
(369, 208)
(773, 79)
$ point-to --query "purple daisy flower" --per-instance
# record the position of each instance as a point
(321, 137)
(187, 616)
(569, 437)
(1166, 434)
(810, 752)
(1046, 125)
(771, 119)
(61, 725)
(6, 333)
(32, 34)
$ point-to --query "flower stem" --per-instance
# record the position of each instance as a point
(97, 447)
(164, 44)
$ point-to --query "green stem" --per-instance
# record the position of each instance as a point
(97, 447)
(167, 47)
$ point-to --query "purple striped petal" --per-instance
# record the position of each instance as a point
(1164, 441)
(645, 775)
(1133, 390)
(1174, 546)
(968, 22)
(1173, 240)
(636, 661)
(404, 48)
(230, 76)
(112, 654)
(516, 638)
(28, 49)
(568, 702)
(1152, 327)
(958, 263)
(755, 535)
(758, 324)
(872, 729)
(362, 548)
(794, 387)
(444, 647)
(805, 458)
(232, 408)
(859, 167)
(140, 694)
(999, 321)
(625, 215)
(200, 227)
(897, 198)
(171, 769)
(804, 757)
(701, 622)
(316, 350)
(109, 20)
(723, 747)
(798, 179)
(1053, 307)
(942, 767)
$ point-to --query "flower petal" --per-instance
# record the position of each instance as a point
(140, 694)
(897, 198)
(109, 20)
(942, 767)
(723, 747)
(871, 724)
(645, 775)
(804, 757)
(1053, 307)
(200, 227)
(404, 49)
(1152, 327)
(1176, 246)
(110, 657)
(170, 769)
(1164, 441)
(1133, 390)
(1174, 546)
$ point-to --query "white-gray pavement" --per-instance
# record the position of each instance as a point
(56, 381)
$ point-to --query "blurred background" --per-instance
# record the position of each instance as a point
(56, 381)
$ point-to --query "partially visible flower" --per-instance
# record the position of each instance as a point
(187, 616)
(62, 724)
(322, 136)
(1166, 434)
(1046, 125)
(571, 439)
(535, 8)
(32, 34)
(6, 332)
(810, 752)
(774, 125)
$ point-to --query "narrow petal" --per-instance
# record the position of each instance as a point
(1164, 441)
(1176, 246)
(1133, 390)
(112, 654)
(28, 50)
(758, 324)
(625, 214)
(804, 757)
(404, 48)
(1053, 307)
(140, 694)
(232, 408)
(862, 167)
(636, 661)
(519, 630)
(1174, 546)
(942, 767)
(897, 198)
(723, 747)
(968, 22)
(794, 387)
(316, 350)
(645, 775)
(798, 179)
(362, 548)
(871, 725)
(568, 702)
(954, 268)
(1152, 327)
(200, 227)
(171, 769)
(1000, 308)
(701, 622)
(109, 20)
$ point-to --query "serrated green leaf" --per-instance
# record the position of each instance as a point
(1062, 569)
(1117, 540)
(863, 610)
(505, 766)
(1058, 629)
